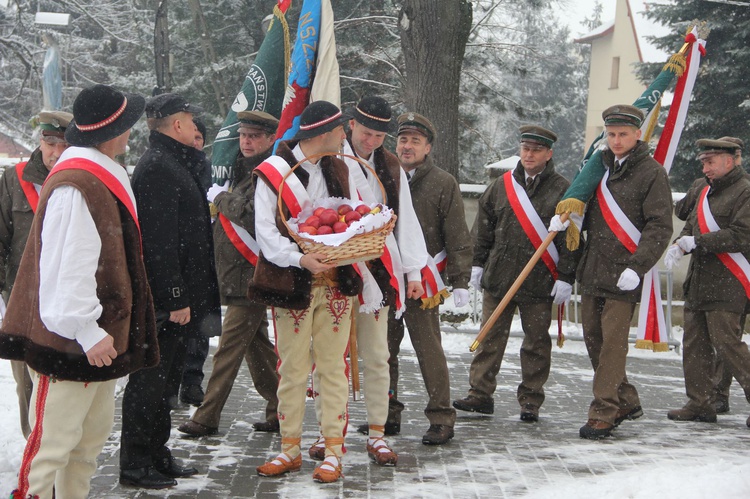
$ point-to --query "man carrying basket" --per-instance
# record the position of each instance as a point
(312, 300)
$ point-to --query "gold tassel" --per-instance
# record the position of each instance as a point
(560, 340)
(676, 64)
(644, 344)
(572, 235)
(661, 347)
(287, 46)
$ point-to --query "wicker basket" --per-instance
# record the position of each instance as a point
(358, 248)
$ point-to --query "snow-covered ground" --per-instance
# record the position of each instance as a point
(681, 470)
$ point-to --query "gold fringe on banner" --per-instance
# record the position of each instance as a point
(572, 235)
(287, 45)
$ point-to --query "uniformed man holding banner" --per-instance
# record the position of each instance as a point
(717, 287)
(628, 225)
(511, 224)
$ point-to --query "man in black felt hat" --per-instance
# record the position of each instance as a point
(717, 287)
(178, 253)
(81, 314)
(313, 309)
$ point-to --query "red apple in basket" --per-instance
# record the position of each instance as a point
(313, 221)
(352, 216)
(318, 211)
(339, 227)
(308, 229)
(362, 209)
(344, 209)
(324, 229)
(328, 217)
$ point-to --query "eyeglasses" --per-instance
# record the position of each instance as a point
(53, 140)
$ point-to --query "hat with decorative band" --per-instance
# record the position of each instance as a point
(374, 113)
(101, 113)
(319, 117)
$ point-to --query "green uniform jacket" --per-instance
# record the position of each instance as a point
(641, 188)
(238, 205)
(440, 210)
(501, 246)
(15, 218)
(709, 285)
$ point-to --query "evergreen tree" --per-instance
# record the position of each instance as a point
(721, 96)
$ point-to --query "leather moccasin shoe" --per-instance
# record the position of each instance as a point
(267, 426)
(391, 429)
(281, 465)
(170, 467)
(146, 478)
(475, 404)
(687, 414)
(631, 414)
(438, 434)
(193, 429)
(595, 429)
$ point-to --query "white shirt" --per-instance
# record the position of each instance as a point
(278, 249)
(71, 246)
(408, 232)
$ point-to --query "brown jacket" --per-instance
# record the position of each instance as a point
(641, 188)
(290, 287)
(238, 206)
(501, 246)
(709, 285)
(122, 289)
(16, 216)
(440, 210)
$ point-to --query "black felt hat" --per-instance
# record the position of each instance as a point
(318, 118)
(101, 113)
(374, 113)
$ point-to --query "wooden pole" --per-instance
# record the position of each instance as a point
(514, 287)
(353, 356)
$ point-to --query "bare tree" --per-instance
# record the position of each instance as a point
(161, 49)
(433, 40)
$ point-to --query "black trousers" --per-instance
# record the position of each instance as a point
(146, 419)
(197, 351)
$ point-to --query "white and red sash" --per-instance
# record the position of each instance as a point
(295, 198)
(652, 328)
(736, 263)
(106, 177)
(434, 287)
(29, 190)
(241, 239)
(530, 221)
(391, 257)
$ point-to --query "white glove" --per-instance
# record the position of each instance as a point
(674, 255)
(561, 292)
(557, 225)
(215, 190)
(628, 280)
(476, 277)
(460, 297)
(686, 243)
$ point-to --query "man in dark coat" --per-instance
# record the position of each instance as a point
(245, 330)
(502, 247)
(717, 235)
(178, 253)
(619, 250)
(19, 194)
(440, 210)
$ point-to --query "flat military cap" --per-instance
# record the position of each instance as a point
(709, 147)
(164, 105)
(53, 123)
(537, 135)
(416, 123)
(258, 120)
(735, 140)
(623, 114)
(374, 113)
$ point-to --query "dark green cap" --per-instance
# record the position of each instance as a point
(258, 120)
(53, 122)
(537, 135)
(416, 122)
(623, 114)
(709, 147)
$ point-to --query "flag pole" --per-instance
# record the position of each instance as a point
(515, 287)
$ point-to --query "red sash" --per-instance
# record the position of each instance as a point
(736, 263)
(627, 233)
(32, 196)
(109, 180)
(530, 220)
(241, 239)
